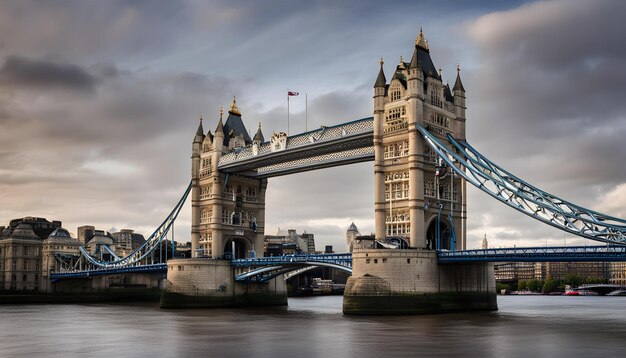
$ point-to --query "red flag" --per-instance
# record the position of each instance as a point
(289, 93)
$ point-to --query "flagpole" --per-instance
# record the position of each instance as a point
(287, 111)
(306, 112)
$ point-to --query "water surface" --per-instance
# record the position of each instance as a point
(525, 326)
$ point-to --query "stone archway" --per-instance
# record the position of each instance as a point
(242, 247)
(445, 235)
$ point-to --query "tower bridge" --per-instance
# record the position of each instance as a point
(422, 163)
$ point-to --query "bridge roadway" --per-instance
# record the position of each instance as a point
(261, 269)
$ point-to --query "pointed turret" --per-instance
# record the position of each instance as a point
(258, 137)
(458, 85)
(199, 133)
(220, 125)
(381, 81)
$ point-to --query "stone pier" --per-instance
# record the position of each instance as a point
(206, 283)
(412, 282)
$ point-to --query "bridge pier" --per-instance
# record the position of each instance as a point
(413, 282)
(208, 283)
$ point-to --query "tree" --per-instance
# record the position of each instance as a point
(550, 286)
(521, 285)
(502, 286)
(534, 285)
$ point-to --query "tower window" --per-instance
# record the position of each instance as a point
(395, 95)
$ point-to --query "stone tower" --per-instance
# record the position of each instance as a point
(351, 234)
(416, 198)
(228, 211)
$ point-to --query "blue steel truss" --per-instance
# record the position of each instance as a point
(263, 269)
(537, 254)
(162, 268)
(84, 265)
(524, 197)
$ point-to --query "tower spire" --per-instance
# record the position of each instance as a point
(220, 124)
(421, 41)
(381, 81)
(233, 107)
(200, 131)
(458, 85)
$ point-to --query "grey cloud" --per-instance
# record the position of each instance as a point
(21, 72)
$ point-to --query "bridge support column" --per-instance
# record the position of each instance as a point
(207, 283)
(412, 282)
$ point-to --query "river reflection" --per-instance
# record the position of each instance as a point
(525, 326)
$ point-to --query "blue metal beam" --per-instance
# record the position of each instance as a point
(536, 254)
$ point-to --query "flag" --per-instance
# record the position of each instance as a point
(289, 93)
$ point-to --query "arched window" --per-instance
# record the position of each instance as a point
(236, 218)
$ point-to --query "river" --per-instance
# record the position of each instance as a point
(524, 326)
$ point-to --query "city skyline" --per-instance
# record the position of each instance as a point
(97, 123)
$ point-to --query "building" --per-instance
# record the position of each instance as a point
(288, 242)
(559, 270)
(126, 240)
(27, 252)
(485, 244)
(351, 235)
(30, 248)
(310, 241)
(415, 193)
(228, 211)
(514, 271)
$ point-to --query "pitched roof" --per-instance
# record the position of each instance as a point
(259, 135)
(458, 85)
(234, 125)
(381, 81)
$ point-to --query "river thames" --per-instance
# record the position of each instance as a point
(525, 326)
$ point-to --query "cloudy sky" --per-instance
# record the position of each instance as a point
(99, 102)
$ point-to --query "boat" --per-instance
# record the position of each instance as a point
(571, 293)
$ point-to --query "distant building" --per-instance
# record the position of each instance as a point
(27, 252)
(123, 242)
(126, 240)
(618, 273)
(485, 243)
(351, 235)
(328, 249)
(288, 242)
(558, 270)
(85, 233)
(514, 271)
(310, 241)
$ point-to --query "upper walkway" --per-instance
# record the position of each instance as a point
(346, 143)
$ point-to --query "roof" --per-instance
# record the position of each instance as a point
(353, 227)
(381, 81)
(259, 135)
(235, 125)
(423, 58)
(24, 231)
(458, 85)
(398, 75)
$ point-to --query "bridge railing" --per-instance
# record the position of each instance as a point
(345, 259)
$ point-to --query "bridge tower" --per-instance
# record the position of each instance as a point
(413, 194)
(418, 199)
(227, 210)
